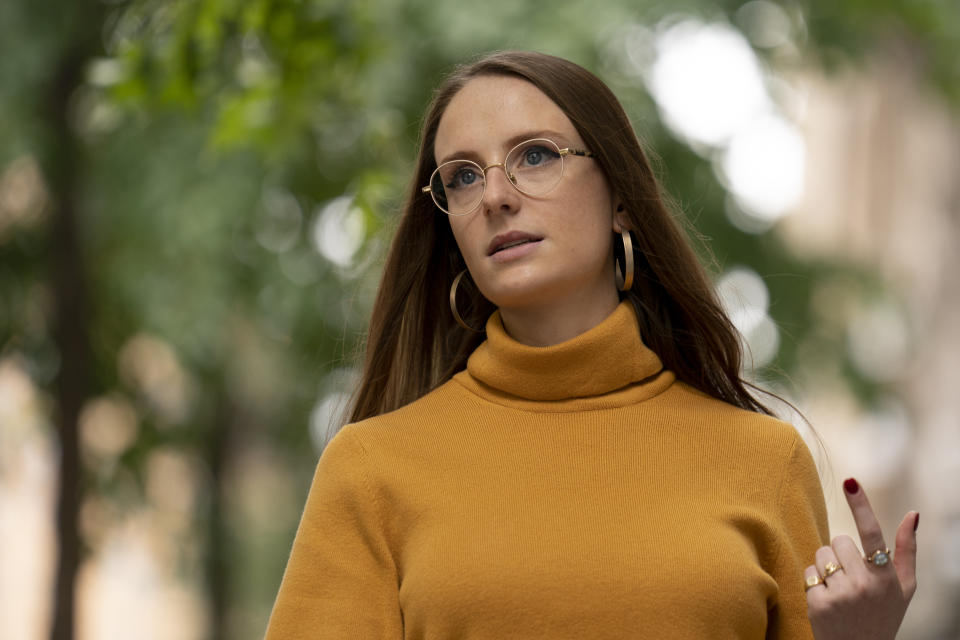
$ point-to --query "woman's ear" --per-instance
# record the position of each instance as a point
(620, 221)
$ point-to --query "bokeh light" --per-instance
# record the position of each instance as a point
(746, 300)
(706, 80)
(339, 231)
(712, 91)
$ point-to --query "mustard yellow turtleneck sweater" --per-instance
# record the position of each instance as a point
(572, 491)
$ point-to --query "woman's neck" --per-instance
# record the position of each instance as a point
(559, 321)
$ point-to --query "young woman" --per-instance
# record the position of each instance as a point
(551, 438)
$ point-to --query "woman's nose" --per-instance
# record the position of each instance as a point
(499, 193)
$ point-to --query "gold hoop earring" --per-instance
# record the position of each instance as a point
(453, 303)
(625, 279)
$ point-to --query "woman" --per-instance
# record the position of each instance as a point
(590, 465)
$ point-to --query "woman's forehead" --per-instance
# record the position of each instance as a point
(490, 112)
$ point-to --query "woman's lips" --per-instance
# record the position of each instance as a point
(506, 240)
(515, 252)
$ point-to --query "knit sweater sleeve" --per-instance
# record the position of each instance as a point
(802, 529)
(340, 580)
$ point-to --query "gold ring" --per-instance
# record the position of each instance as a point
(879, 557)
(830, 568)
(813, 581)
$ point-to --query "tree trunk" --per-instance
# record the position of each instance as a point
(60, 154)
(70, 335)
(218, 542)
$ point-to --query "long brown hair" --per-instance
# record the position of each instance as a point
(414, 345)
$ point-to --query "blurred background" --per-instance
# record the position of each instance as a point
(196, 198)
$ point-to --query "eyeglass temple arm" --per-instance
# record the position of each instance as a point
(576, 152)
(426, 190)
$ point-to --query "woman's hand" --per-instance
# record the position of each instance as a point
(852, 597)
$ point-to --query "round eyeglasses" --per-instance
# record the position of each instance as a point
(533, 167)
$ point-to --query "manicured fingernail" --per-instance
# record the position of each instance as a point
(916, 522)
(850, 486)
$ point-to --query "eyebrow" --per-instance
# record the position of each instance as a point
(508, 144)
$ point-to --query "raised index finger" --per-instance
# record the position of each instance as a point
(871, 537)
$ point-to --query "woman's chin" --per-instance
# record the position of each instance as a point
(521, 293)
(531, 289)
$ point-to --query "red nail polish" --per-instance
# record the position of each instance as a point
(916, 522)
(850, 486)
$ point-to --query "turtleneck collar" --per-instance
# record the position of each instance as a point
(608, 357)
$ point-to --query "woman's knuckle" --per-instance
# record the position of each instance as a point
(872, 531)
(842, 537)
(876, 590)
(862, 586)
(843, 598)
(821, 608)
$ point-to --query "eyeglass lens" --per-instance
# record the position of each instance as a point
(534, 167)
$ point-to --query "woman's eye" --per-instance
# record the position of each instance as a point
(462, 178)
(537, 156)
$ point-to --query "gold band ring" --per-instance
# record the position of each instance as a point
(830, 568)
(813, 581)
(879, 558)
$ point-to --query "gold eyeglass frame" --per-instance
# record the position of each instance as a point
(566, 151)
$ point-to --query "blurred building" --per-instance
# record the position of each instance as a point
(882, 191)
